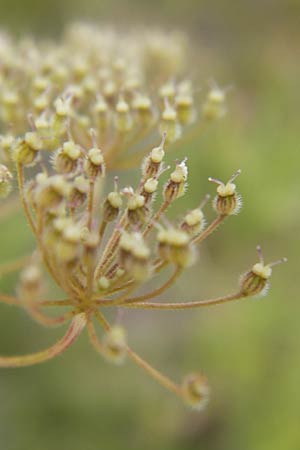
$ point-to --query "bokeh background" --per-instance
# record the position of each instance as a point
(249, 350)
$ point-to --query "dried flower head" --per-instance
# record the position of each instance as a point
(92, 109)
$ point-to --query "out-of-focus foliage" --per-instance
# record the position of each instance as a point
(249, 350)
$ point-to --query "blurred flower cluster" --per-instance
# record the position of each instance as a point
(71, 113)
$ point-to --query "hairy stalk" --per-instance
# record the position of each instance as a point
(151, 371)
(209, 230)
(187, 305)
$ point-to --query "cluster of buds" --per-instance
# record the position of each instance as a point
(121, 86)
(100, 243)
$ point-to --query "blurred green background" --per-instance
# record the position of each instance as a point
(249, 350)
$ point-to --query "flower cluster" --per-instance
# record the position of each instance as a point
(89, 112)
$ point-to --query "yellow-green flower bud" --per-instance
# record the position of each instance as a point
(62, 112)
(195, 391)
(167, 91)
(175, 247)
(214, 107)
(103, 115)
(149, 190)
(123, 119)
(137, 211)
(115, 345)
(52, 191)
(79, 191)
(134, 256)
(112, 206)
(103, 283)
(153, 162)
(176, 185)
(26, 150)
(94, 163)
(66, 159)
(67, 247)
(194, 222)
(31, 284)
(170, 124)
(256, 281)
(143, 107)
(185, 108)
(227, 202)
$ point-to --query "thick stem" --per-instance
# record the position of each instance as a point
(75, 329)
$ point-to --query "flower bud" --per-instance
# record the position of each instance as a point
(103, 283)
(51, 191)
(167, 91)
(26, 150)
(256, 281)
(194, 221)
(175, 247)
(137, 211)
(67, 247)
(79, 191)
(115, 345)
(66, 159)
(41, 103)
(5, 181)
(109, 91)
(185, 108)
(153, 162)
(195, 391)
(134, 256)
(143, 107)
(62, 112)
(31, 284)
(94, 163)
(214, 107)
(111, 206)
(149, 190)
(123, 120)
(169, 123)
(40, 84)
(43, 128)
(102, 114)
(176, 186)
(227, 202)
